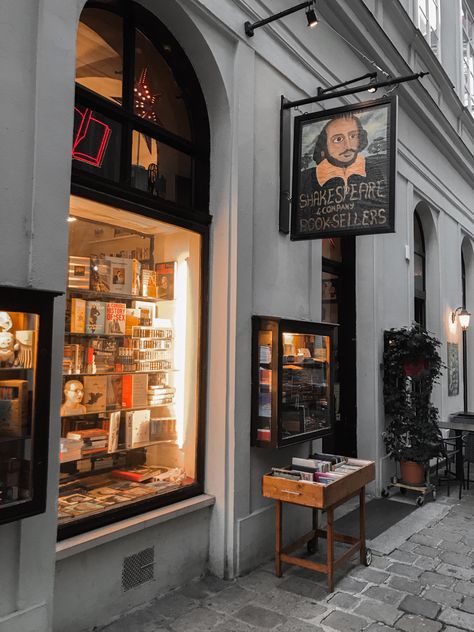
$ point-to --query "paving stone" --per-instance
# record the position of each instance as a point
(173, 605)
(142, 620)
(195, 590)
(443, 596)
(383, 612)
(260, 617)
(427, 551)
(450, 628)
(215, 584)
(343, 600)
(370, 575)
(378, 627)
(426, 563)
(303, 587)
(291, 604)
(455, 571)
(455, 547)
(295, 625)
(408, 546)
(404, 584)
(232, 625)
(420, 605)
(429, 578)
(351, 585)
(414, 623)
(384, 593)
(380, 562)
(344, 621)
(457, 618)
(426, 538)
(404, 569)
(402, 556)
(465, 588)
(259, 581)
(457, 559)
(467, 605)
(230, 599)
(197, 620)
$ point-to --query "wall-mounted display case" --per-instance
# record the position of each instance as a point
(292, 381)
(26, 318)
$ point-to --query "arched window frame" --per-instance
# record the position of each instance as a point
(198, 148)
(419, 294)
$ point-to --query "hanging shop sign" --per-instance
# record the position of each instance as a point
(344, 171)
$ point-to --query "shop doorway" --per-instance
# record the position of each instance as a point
(338, 306)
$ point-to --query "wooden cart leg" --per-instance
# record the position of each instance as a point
(315, 527)
(278, 539)
(330, 549)
(362, 524)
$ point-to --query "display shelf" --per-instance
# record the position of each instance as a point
(96, 295)
(116, 410)
(103, 455)
(84, 335)
(121, 372)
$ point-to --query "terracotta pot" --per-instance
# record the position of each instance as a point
(412, 472)
(414, 367)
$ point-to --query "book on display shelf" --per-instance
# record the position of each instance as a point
(120, 275)
(95, 317)
(135, 390)
(95, 393)
(100, 275)
(139, 473)
(114, 392)
(137, 428)
(165, 278)
(148, 283)
(112, 426)
(115, 318)
(78, 316)
(136, 276)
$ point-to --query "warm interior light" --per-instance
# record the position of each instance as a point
(463, 315)
(312, 18)
(72, 219)
(373, 88)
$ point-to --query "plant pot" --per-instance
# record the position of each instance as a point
(414, 368)
(412, 472)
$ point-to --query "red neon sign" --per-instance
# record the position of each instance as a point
(91, 139)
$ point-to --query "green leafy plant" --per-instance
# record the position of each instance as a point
(412, 365)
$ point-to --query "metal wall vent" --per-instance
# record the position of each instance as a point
(138, 568)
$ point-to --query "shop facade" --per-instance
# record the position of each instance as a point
(174, 118)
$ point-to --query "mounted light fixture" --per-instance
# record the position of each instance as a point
(310, 16)
(373, 81)
(463, 315)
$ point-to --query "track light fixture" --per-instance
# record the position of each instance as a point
(310, 16)
(373, 86)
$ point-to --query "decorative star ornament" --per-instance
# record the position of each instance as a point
(145, 101)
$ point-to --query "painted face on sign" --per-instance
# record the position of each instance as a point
(342, 141)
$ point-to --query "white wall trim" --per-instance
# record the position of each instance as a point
(97, 537)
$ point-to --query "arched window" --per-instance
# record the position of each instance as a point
(420, 271)
(132, 415)
(140, 117)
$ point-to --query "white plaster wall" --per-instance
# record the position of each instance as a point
(94, 577)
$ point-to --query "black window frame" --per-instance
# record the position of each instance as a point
(196, 218)
(419, 295)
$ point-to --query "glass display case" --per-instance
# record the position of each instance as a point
(129, 415)
(25, 375)
(292, 381)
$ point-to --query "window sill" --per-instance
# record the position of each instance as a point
(86, 541)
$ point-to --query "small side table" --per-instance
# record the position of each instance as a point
(325, 497)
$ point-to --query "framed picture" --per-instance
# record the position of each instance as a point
(79, 272)
(344, 171)
(453, 368)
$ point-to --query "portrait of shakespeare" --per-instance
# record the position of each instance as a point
(344, 173)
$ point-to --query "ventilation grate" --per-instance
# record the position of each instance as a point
(138, 568)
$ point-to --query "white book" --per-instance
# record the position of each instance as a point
(137, 429)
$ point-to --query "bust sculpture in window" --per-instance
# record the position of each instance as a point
(73, 394)
(8, 343)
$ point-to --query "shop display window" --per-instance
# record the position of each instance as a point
(25, 354)
(129, 414)
(292, 381)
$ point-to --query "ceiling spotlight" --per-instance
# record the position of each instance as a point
(312, 18)
(373, 81)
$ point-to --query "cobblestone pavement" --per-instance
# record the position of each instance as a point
(424, 585)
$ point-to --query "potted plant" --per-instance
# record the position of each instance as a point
(412, 365)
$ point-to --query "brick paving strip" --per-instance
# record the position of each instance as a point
(426, 584)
